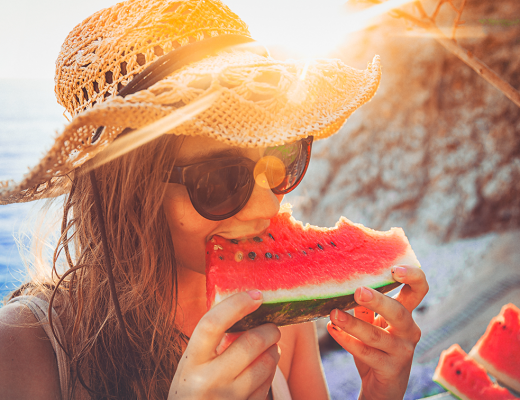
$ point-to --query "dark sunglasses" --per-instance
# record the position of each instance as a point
(221, 187)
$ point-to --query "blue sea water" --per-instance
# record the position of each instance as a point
(29, 120)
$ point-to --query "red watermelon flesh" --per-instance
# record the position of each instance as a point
(465, 378)
(299, 269)
(498, 350)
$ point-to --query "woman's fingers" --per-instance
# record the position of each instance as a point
(371, 356)
(258, 377)
(251, 346)
(211, 328)
(367, 333)
(227, 341)
(228, 366)
(262, 392)
(383, 349)
(415, 287)
(392, 311)
(364, 314)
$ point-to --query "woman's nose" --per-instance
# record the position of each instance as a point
(263, 204)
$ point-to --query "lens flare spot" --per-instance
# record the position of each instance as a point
(269, 172)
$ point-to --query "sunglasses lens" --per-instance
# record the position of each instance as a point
(222, 191)
(269, 172)
(295, 158)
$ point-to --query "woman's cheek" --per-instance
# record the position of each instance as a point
(188, 229)
(174, 203)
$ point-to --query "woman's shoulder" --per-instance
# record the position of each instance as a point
(28, 368)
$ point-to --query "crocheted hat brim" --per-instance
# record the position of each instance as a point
(260, 102)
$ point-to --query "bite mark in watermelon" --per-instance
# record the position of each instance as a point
(304, 272)
(465, 378)
(498, 350)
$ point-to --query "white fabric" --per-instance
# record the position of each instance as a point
(279, 386)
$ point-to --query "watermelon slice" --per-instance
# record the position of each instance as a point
(303, 272)
(499, 349)
(465, 378)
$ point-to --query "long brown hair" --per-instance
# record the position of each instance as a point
(144, 268)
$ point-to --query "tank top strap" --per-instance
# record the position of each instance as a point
(40, 309)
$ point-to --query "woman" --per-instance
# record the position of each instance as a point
(127, 318)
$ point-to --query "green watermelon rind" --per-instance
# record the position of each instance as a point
(448, 390)
(298, 311)
(325, 294)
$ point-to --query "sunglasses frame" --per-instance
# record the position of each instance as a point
(188, 176)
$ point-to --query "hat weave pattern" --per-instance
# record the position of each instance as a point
(104, 52)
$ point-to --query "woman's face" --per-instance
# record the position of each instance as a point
(189, 230)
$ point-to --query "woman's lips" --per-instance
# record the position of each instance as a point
(241, 236)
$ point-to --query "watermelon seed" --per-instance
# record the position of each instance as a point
(332, 243)
(289, 254)
(320, 246)
(257, 239)
(457, 372)
(217, 247)
(268, 255)
(234, 241)
(239, 256)
(276, 256)
(221, 257)
(504, 327)
(271, 236)
(303, 251)
(252, 255)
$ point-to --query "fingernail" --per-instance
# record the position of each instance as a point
(365, 294)
(399, 271)
(255, 294)
(340, 315)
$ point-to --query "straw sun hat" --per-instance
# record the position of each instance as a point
(141, 62)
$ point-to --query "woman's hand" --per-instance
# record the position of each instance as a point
(239, 369)
(382, 347)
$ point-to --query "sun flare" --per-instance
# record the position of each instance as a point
(307, 28)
